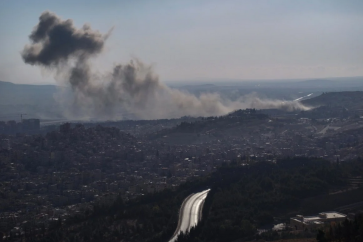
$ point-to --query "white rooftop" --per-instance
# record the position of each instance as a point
(320, 217)
(333, 215)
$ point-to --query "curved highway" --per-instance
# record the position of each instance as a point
(190, 213)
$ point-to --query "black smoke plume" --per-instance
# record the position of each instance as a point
(55, 41)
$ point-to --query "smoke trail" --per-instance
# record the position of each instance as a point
(134, 88)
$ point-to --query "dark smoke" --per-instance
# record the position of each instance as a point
(132, 88)
(55, 41)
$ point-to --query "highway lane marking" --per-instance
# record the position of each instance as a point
(192, 208)
(193, 202)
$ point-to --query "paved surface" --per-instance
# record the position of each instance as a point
(190, 213)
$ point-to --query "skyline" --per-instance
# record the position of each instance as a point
(204, 40)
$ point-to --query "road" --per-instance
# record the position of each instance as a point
(190, 213)
(300, 98)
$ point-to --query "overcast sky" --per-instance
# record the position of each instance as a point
(201, 40)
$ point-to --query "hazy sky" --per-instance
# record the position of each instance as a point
(196, 39)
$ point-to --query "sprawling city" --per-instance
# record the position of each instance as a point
(267, 152)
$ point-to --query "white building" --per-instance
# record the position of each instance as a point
(301, 222)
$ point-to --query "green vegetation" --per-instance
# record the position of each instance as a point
(245, 197)
(152, 217)
(242, 198)
(348, 231)
(328, 202)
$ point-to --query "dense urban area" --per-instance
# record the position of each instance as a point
(181, 121)
(51, 175)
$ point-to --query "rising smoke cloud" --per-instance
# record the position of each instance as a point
(134, 88)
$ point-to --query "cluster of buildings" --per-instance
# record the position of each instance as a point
(5, 144)
(56, 175)
(301, 222)
(79, 167)
(31, 126)
(331, 139)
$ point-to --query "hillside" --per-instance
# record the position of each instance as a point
(242, 198)
(15, 94)
(35, 100)
(350, 100)
(340, 105)
(210, 128)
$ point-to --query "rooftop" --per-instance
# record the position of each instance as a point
(320, 217)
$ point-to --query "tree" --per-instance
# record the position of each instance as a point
(320, 237)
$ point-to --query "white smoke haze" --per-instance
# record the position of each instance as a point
(132, 88)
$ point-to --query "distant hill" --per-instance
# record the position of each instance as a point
(5, 83)
(326, 83)
(39, 100)
(349, 100)
(15, 94)
(334, 105)
(272, 89)
(34, 100)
